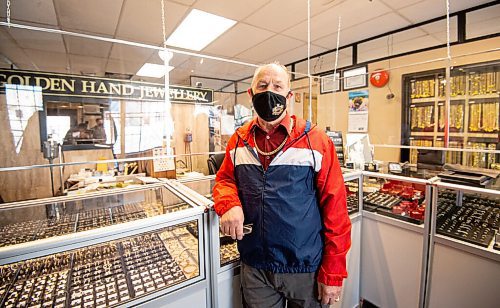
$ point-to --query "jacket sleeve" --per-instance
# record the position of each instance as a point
(337, 225)
(225, 192)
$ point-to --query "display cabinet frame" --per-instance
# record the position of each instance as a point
(420, 245)
(483, 263)
(224, 276)
(122, 231)
(396, 236)
(465, 95)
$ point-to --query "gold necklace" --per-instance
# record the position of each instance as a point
(275, 150)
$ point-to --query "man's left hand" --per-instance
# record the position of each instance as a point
(328, 294)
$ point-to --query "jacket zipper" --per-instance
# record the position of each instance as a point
(264, 246)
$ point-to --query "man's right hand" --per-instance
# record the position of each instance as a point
(231, 223)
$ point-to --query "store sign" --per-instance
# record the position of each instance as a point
(74, 88)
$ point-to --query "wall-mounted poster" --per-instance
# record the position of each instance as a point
(355, 78)
(330, 83)
(358, 111)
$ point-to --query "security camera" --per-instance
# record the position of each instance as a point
(199, 84)
(389, 96)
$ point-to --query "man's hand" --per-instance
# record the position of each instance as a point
(328, 294)
(231, 223)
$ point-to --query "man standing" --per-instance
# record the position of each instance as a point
(282, 175)
(98, 131)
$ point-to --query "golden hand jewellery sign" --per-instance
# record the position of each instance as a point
(70, 87)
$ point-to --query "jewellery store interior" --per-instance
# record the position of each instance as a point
(115, 117)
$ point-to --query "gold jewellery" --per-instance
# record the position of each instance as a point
(275, 150)
(456, 116)
(422, 88)
(475, 117)
(421, 118)
(490, 117)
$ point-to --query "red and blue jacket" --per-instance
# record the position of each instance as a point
(297, 206)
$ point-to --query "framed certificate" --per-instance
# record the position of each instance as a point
(355, 78)
(330, 83)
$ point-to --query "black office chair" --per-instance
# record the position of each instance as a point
(214, 162)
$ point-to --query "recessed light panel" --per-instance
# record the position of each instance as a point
(198, 30)
(153, 70)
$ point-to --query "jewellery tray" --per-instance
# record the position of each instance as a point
(119, 254)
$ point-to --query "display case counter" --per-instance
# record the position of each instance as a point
(352, 181)
(225, 265)
(394, 239)
(464, 267)
(122, 247)
(350, 291)
(228, 252)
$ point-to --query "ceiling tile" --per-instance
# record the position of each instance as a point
(326, 62)
(429, 9)
(33, 11)
(424, 10)
(38, 40)
(93, 16)
(279, 15)
(351, 13)
(270, 48)
(296, 54)
(11, 52)
(234, 9)
(178, 59)
(48, 61)
(87, 65)
(130, 53)
(398, 4)
(123, 67)
(83, 46)
(183, 2)
(364, 30)
(141, 20)
(238, 39)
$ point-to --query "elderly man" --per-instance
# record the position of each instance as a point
(282, 175)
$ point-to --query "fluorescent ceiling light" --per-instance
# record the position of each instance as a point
(198, 30)
(153, 70)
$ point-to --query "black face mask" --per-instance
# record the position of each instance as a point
(269, 105)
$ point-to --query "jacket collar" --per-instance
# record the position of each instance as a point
(246, 131)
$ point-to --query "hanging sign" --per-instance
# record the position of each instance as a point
(60, 87)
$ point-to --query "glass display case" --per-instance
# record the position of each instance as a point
(224, 255)
(468, 217)
(22, 222)
(466, 224)
(228, 250)
(395, 196)
(120, 247)
(352, 181)
(473, 115)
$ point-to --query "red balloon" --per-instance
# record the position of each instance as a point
(379, 79)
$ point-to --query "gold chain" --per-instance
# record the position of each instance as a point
(275, 150)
